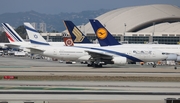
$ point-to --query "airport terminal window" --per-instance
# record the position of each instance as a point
(130, 39)
(91, 38)
(118, 38)
(45, 37)
(54, 38)
(166, 40)
(136, 39)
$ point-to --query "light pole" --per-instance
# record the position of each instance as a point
(151, 37)
(122, 38)
(47, 37)
(153, 28)
(124, 29)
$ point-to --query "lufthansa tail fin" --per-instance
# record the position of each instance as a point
(34, 36)
(11, 34)
(103, 35)
(76, 35)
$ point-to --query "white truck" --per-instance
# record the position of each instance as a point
(19, 53)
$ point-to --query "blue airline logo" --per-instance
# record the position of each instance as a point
(35, 36)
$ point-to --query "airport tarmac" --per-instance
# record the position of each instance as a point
(24, 66)
(92, 86)
(26, 62)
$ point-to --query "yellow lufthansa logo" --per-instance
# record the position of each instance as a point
(101, 33)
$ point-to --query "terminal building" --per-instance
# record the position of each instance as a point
(138, 24)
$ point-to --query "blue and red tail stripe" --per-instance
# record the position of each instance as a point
(9, 38)
(10, 32)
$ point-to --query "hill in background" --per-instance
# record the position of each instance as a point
(53, 22)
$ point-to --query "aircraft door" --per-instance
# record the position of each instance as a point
(55, 52)
(142, 55)
(153, 54)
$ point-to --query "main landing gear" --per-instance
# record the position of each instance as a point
(93, 64)
(154, 65)
(175, 67)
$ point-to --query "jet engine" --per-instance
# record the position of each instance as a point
(173, 57)
(178, 59)
(84, 58)
(119, 60)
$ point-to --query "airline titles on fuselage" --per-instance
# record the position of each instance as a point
(70, 52)
(142, 52)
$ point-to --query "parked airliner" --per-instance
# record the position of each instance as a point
(97, 56)
(172, 51)
(17, 42)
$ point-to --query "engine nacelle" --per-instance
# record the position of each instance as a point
(172, 57)
(119, 60)
(178, 59)
(84, 58)
(4, 47)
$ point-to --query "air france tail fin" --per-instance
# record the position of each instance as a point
(34, 36)
(103, 35)
(76, 35)
(11, 34)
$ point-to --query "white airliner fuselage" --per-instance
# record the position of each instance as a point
(82, 53)
(170, 49)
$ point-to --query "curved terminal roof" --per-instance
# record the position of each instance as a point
(148, 18)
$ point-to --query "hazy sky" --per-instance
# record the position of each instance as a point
(57, 6)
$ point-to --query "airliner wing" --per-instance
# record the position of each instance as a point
(12, 45)
(101, 55)
(35, 50)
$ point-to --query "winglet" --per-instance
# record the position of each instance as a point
(34, 36)
(11, 34)
(103, 35)
(76, 35)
